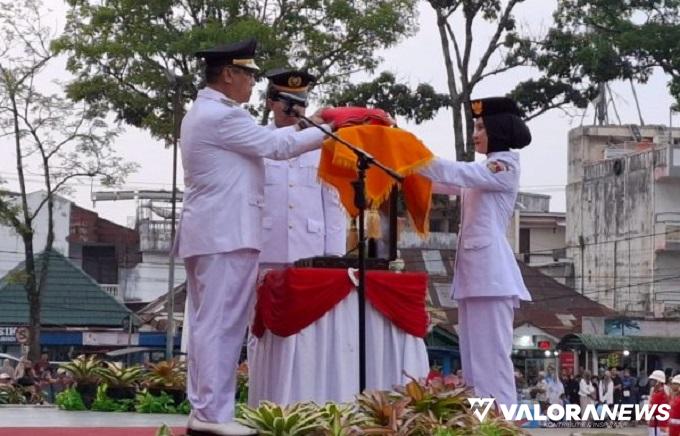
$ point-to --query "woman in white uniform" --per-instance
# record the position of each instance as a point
(487, 283)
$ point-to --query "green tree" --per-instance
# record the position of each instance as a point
(384, 92)
(597, 41)
(466, 69)
(120, 50)
(52, 135)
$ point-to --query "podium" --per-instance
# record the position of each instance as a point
(306, 331)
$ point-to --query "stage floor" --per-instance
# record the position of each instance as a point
(50, 421)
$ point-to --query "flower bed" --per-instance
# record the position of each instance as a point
(434, 407)
(109, 387)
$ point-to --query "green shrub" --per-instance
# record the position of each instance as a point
(148, 403)
(184, 407)
(70, 399)
(103, 403)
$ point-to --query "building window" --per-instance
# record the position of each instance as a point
(101, 264)
(525, 244)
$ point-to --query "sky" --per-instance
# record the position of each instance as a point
(414, 60)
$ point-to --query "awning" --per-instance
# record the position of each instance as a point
(651, 344)
(130, 350)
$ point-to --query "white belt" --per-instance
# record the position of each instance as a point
(674, 421)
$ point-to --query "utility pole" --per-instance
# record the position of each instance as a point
(170, 303)
(582, 246)
(672, 109)
(601, 115)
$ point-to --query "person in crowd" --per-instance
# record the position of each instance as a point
(643, 385)
(46, 380)
(587, 393)
(658, 426)
(5, 379)
(571, 387)
(628, 388)
(674, 418)
(541, 389)
(555, 386)
(605, 389)
(25, 374)
(43, 364)
(7, 368)
(618, 385)
(521, 384)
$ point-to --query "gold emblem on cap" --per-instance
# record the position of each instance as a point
(477, 107)
(294, 81)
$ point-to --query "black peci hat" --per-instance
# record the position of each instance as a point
(290, 81)
(239, 54)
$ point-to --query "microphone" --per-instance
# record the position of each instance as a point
(291, 100)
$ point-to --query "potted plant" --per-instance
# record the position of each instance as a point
(10, 394)
(168, 376)
(85, 373)
(122, 381)
(242, 383)
(273, 419)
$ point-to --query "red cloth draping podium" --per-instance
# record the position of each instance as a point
(306, 323)
(291, 299)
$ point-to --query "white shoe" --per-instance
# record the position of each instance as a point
(234, 428)
(196, 427)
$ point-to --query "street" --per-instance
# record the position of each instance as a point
(637, 431)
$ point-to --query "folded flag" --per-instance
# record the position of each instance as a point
(395, 148)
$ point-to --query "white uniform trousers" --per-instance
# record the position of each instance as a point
(485, 339)
(220, 293)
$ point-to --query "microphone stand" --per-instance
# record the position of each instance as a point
(364, 161)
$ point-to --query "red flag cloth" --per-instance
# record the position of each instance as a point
(353, 116)
(290, 300)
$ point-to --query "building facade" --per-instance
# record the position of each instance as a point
(623, 216)
(537, 235)
(131, 264)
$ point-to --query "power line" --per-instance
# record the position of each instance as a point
(80, 182)
(410, 262)
(451, 258)
(627, 239)
(599, 291)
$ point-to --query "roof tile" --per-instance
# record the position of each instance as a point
(72, 298)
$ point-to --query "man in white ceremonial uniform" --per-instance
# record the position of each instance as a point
(302, 218)
(220, 230)
(487, 282)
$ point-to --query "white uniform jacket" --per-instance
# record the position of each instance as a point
(302, 218)
(222, 154)
(485, 265)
